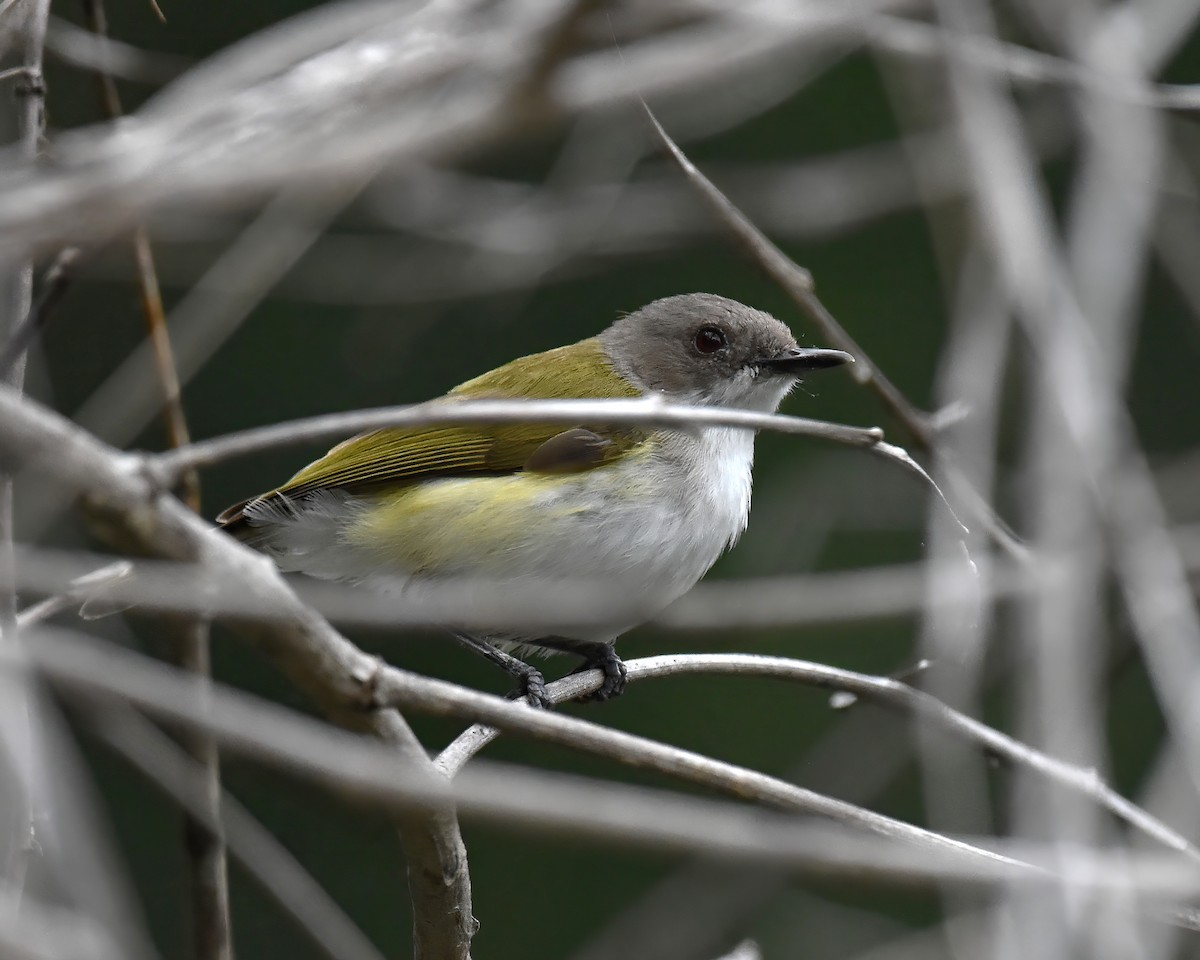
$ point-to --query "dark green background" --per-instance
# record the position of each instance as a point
(817, 507)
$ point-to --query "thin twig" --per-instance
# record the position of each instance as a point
(647, 411)
(78, 591)
(217, 304)
(882, 690)
(30, 94)
(798, 284)
(188, 639)
(395, 687)
(281, 876)
(55, 282)
(653, 410)
(82, 48)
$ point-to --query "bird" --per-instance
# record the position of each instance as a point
(632, 514)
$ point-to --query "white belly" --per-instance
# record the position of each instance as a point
(626, 540)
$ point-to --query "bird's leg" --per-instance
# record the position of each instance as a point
(532, 685)
(597, 655)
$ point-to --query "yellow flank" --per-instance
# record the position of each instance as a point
(443, 526)
(403, 456)
(477, 524)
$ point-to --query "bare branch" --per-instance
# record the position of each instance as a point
(83, 49)
(322, 663)
(203, 843)
(262, 856)
(19, 740)
(798, 284)
(360, 767)
(54, 285)
(648, 411)
(368, 85)
(882, 690)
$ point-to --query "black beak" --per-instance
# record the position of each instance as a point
(798, 359)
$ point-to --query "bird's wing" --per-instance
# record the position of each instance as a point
(399, 455)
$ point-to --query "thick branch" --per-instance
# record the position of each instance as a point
(326, 666)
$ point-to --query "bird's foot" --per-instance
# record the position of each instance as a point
(531, 683)
(616, 676)
(532, 686)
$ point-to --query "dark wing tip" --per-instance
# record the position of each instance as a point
(233, 517)
(571, 451)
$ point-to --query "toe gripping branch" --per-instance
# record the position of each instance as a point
(531, 682)
(616, 677)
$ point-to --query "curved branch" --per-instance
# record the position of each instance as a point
(391, 686)
(168, 466)
(882, 690)
(322, 663)
(648, 411)
(548, 803)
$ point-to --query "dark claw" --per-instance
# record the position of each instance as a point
(615, 675)
(533, 689)
(532, 683)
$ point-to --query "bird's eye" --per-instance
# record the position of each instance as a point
(708, 340)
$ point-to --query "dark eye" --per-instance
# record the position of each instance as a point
(708, 340)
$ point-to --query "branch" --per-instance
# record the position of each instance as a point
(322, 663)
(360, 768)
(798, 284)
(882, 690)
(396, 84)
(648, 411)
(18, 838)
(54, 285)
(266, 860)
(188, 639)
(83, 49)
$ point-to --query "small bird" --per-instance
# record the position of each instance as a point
(635, 515)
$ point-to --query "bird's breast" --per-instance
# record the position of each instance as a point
(717, 464)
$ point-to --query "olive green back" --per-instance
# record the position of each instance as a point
(398, 455)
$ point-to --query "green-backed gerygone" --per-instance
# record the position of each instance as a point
(637, 514)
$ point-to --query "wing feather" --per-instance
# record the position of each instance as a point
(399, 455)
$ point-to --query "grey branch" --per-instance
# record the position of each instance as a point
(883, 690)
(264, 857)
(322, 663)
(360, 767)
(650, 411)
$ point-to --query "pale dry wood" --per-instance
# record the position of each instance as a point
(322, 663)
(362, 769)
(882, 690)
(187, 638)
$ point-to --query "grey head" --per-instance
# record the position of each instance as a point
(704, 349)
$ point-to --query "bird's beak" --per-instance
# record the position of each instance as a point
(798, 359)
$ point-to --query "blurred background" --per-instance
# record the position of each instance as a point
(847, 151)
